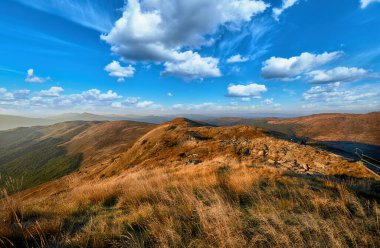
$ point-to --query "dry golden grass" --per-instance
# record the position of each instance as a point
(153, 197)
(201, 206)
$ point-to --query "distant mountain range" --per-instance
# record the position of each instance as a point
(362, 128)
(11, 121)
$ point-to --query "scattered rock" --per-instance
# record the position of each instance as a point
(247, 152)
(193, 162)
(182, 155)
(196, 135)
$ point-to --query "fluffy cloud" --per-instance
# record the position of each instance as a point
(250, 90)
(283, 68)
(97, 95)
(365, 3)
(285, 5)
(147, 32)
(116, 70)
(53, 99)
(338, 74)
(193, 66)
(52, 92)
(237, 59)
(317, 92)
(268, 101)
(340, 96)
(32, 78)
(132, 100)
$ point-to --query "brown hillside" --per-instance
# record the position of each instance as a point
(106, 140)
(188, 184)
(183, 142)
(363, 128)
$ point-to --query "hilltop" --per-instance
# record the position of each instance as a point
(188, 183)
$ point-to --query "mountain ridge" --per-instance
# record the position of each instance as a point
(196, 181)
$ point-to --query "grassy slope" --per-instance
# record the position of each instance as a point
(209, 205)
(230, 199)
(362, 128)
(106, 140)
(34, 155)
(37, 155)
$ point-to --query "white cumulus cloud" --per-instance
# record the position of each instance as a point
(52, 92)
(160, 30)
(268, 101)
(338, 96)
(237, 59)
(32, 78)
(250, 90)
(54, 100)
(132, 100)
(116, 70)
(95, 94)
(338, 74)
(288, 68)
(193, 66)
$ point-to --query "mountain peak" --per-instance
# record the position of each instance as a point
(182, 121)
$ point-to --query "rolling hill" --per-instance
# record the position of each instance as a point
(188, 183)
(40, 154)
(361, 128)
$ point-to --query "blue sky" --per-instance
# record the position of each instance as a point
(216, 57)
